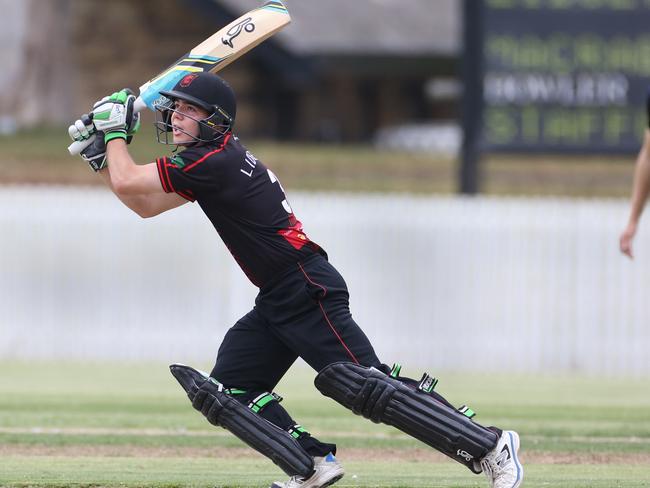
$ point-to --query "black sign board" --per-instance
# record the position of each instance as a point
(565, 75)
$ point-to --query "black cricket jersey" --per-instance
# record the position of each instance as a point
(245, 202)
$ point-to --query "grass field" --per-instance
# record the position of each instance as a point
(40, 156)
(130, 425)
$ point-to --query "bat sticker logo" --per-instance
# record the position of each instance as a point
(246, 25)
(162, 102)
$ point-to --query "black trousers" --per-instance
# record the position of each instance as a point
(304, 313)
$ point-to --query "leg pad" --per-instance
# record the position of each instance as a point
(220, 408)
(380, 398)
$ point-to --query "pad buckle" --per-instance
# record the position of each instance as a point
(427, 383)
(467, 412)
(395, 370)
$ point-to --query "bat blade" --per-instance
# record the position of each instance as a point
(220, 49)
(215, 53)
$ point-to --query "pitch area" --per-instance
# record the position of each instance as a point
(129, 425)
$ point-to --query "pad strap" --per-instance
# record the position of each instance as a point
(296, 431)
(261, 401)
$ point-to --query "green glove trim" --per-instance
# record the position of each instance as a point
(102, 115)
(119, 97)
(117, 134)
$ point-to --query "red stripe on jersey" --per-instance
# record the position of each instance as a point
(187, 195)
(169, 180)
(219, 149)
(165, 187)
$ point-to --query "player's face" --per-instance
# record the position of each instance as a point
(185, 123)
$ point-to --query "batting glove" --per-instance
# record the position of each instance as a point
(95, 153)
(114, 116)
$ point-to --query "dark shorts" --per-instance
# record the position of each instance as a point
(306, 314)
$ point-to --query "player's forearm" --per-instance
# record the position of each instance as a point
(125, 175)
(145, 205)
(138, 203)
(641, 185)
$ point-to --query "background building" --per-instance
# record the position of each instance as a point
(373, 65)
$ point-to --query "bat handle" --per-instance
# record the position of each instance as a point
(77, 146)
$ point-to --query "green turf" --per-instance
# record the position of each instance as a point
(139, 406)
(203, 472)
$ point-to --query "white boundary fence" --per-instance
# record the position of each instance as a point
(527, 285)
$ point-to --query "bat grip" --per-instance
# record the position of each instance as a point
(77, 146)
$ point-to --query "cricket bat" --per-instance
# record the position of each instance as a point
(213, 54)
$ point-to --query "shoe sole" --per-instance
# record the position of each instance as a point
(513, 440)
(329, 482)
(332, 481)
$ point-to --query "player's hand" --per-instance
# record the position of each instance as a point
(95, 153)
(114, 116)
(82, 129)
(625, 241)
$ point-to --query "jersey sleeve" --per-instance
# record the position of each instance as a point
(186, 174)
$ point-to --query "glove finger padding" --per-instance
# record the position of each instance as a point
(82, 128)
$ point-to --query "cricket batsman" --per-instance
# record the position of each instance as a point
(302, 309)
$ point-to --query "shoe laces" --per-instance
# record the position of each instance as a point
(496, 468)
(487, 468)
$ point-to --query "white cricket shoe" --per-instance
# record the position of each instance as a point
(327, 471)
(501, 465)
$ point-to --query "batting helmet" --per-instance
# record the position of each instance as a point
(207, 91)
